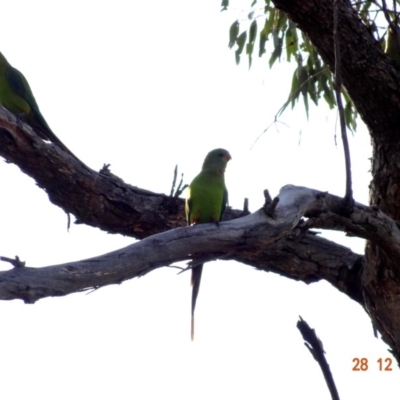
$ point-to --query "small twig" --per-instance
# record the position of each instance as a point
(15, 262)
(314, 345)
(287, 102)
(175, 266)
(348, 198)
(246, 207)
(174, 180)
(179, 190)
(375, 330)
(269, 204)
(105, 169)
(386, 12)
(274, 122)
(93, 289)
(267, 197)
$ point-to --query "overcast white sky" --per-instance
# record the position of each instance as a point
(144, 86)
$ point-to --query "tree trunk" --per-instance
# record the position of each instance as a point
(373, 83)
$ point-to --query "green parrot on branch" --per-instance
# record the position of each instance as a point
(205, 203)
(16, 96)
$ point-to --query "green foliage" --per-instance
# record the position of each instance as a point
(240, 41)
(224, 5)
(270, 32)
(252, 39)
(233, 33)
(312, 80)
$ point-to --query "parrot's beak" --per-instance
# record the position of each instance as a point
(228, 157)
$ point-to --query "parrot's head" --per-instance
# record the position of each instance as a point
(217, 159)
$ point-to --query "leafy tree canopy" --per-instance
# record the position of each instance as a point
(312, 79)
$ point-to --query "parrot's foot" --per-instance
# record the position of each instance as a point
(193, 264)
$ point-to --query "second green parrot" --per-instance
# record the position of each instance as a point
(205, 203)
(17, 97)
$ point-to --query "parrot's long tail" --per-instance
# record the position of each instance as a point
(196, 279)
(43, 130)
(51, 137)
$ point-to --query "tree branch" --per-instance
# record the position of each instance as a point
(99, 199)
(348, 198)
(314, 345)
(282, 244)
(373, 83)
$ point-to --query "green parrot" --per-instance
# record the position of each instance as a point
(17, 97)
(205, 203)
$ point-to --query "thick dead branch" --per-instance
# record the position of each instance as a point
(280, 245)
(99, 199)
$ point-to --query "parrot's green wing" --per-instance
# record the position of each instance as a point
(206, 202)
(20, 86)
(16, 95)
(34, 117)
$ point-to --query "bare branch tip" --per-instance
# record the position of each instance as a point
(181, 187)
(15, 262)
(174, 181)
(68, 221)
(270, 204)
(105, 169)
(267, 196)
(245, 207)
